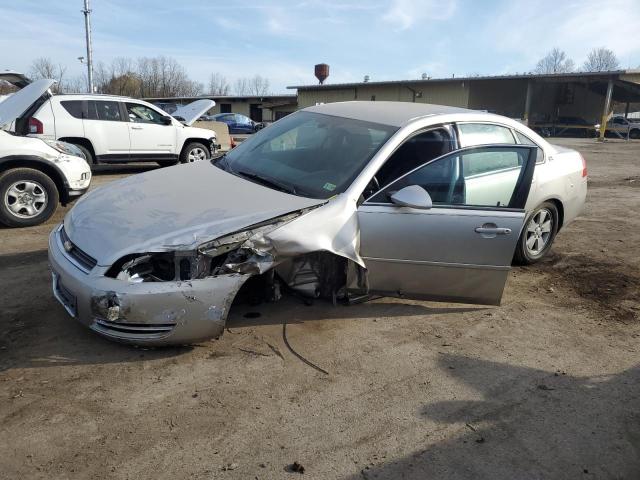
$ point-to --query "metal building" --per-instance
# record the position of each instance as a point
(536, 99)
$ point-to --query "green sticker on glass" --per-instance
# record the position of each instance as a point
(329, 186)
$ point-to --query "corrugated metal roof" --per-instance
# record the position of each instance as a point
(558, 76)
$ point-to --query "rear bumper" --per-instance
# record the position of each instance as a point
(162, 313)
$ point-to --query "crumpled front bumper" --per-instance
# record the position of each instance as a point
(152, 313)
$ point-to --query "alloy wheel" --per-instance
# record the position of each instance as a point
(539, 231)
(196, 154)
(26, 199)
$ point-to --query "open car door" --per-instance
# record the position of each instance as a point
(448, 229)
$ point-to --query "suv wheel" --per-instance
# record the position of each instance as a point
(539, 231)
(194, 152)
(635, 134)
(87, 154)
(27, 197)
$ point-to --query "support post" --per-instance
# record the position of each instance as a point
(87, 28)
(605, 111)
(626, 110)
(527, 103)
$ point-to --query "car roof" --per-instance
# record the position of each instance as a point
(97, 96)
(387, 113)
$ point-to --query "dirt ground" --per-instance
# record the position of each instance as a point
(546, 386)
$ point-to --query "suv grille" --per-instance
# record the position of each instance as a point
(78, 257)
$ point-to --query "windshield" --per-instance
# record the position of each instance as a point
(308, 154)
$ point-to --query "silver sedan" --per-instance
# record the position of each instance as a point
(337, 201)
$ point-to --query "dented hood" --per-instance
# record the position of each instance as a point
(171, 209)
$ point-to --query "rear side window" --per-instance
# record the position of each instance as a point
(104, 110)
(74, 107)
(472, 134)
(524, 140)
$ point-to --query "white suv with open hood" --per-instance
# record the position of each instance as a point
(114, 129)
(35, 174)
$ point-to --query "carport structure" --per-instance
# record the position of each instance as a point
(574, 100)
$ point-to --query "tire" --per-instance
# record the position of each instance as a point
(193, 152)
(537, 235)
(635, 134)
(28, 197)
(87, 154)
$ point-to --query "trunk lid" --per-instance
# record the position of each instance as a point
(18, 103)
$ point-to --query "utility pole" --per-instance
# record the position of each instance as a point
(87, 27)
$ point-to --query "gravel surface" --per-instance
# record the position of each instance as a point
(546, 386)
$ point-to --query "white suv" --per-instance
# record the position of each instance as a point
(35, 174)
(114, 129)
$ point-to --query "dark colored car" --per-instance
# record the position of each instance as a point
(237, 123)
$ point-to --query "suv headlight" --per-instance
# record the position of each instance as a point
(66, 148)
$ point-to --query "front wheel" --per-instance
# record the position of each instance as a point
(194, 152)
(635, 134)
(27, 197)
(88, 156)
(537, 235)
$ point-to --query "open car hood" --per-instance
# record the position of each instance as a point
(188, 114)
(17, 79)
(172, 209)
(16, 104)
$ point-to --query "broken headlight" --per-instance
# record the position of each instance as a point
(153, 267)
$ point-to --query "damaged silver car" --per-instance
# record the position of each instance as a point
(336, 201)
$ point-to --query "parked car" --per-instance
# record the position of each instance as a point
(620, 126)
(566, 126)
(114, 129)
(35, 174)
(238, 124)
(340, 201)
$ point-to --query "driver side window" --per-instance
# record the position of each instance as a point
(416, 151)
(143, 114)
(484, 176)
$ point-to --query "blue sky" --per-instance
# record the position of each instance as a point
(282, 40)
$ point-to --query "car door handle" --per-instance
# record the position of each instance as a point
(493, 230)
(136, 128)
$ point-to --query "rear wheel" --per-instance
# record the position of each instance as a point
(195, 152)
(27, 197)
(537, 235)
(635, 134)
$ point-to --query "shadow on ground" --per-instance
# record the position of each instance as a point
(528, 424)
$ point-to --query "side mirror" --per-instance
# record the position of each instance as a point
(167, 120)
(413, 196)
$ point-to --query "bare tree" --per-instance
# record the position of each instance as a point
(556, 61)
(601, 60)
(146, 77)
(259, 86)
(43, 67)
(165, 77)
(218, 85)
(77, 84)
(241, 86)
(256, 85)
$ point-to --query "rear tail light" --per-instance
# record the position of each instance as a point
(35, 126)
(584, 166)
